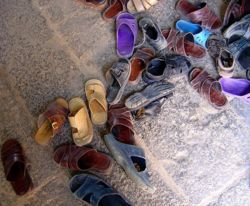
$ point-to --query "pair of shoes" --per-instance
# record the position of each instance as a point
(51, 121)
(238, 35)
(121, 143)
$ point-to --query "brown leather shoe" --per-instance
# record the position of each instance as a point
(83, 159)
(15, 167)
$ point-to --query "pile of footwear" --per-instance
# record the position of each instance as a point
(166, 55)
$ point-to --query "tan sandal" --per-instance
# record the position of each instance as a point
(50, 122)
(96, 96)
(82, 130)
(134, 6)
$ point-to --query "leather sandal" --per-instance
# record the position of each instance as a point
(82, 130)
(207, 87)
(149, 94)
(83, 159)
(117, 77)
(114, 8)
(235, 11)
(138, 63)
(93, 190)
(120, 123)
(50, 122)
(94, 4)
(15, 167)
(182, 43)
(199, 14)
(96, 96)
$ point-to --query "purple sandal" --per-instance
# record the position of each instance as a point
(126, 34)
(239, 88)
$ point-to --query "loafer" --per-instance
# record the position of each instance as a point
(165, 67)
(152, 34)
(15, 167)
(238, 29)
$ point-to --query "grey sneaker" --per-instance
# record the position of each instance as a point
(238, 29)
(152, 34)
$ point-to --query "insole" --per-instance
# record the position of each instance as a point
(113, 90)
(123, 134)
(98, 112)
(151, 32)
(189, 27)
(16, 172)
(137, 66)
(110, 200)
(157, 67)
(86, 161)
(125, 41)
(241, 88)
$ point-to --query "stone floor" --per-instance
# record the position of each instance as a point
(48, 48)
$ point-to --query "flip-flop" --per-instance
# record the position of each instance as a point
(132, 160)
(207, 87)
(126, 34)
(114, 8)
(201, 35)
(200, 14)
(225, 63)
(182, 43)
(235, 11)
(50, 122)
(120, 123)
(117, 77)
(149, 94)
(82, 130)
(96, 96)
(91, 189)
(83, 159)
(239, 88)
(138, 63)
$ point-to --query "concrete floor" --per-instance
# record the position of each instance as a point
(48, 48)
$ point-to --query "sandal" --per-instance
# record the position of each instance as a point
(117, 77)
(114, 8)
(132, 160)
(135, 6)
(235, 11)
(96, 96)
(199, 14)
(201, 35)
(15, 167)
(96, 192)
(207, 87)
(240, 49)
(183, 43)
(94, 4)
(239, 88)
(138, 63)
(225, 63)
(83, 159)
(82, 130)
(149, 94)
(50, 122)
(126, 34)
(152, 34)
(120, 123)
(165, 67)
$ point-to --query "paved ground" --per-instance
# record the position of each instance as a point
(48, 48)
